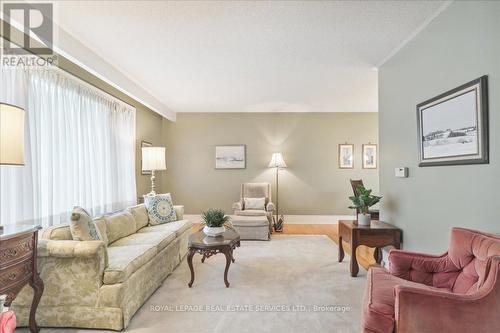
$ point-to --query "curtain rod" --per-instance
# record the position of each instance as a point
(2, 22)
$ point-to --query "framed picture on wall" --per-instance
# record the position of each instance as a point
(453, 127)
(346, 156)
(230, 157)
(145, 144)
(369, 156)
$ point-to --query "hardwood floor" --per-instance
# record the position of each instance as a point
(363, 254)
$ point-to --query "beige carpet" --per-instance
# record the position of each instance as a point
(299, 274)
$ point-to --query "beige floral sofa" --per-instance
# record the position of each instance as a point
(101, 284)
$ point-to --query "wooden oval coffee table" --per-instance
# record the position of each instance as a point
(208, 246)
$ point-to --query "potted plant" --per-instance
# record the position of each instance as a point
(362, 203)
(215, 220)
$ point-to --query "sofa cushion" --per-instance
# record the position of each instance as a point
(57, 232)
(100, 223)
(140, 215)
(82, 227)
(123, 261)
(378, 303)
(160, 239)
(160, 208)
(251, 212)
(178, 227)
(119, 225)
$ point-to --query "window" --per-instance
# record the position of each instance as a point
(79, 149)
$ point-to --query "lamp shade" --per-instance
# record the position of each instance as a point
(277, 161)
(153, 158)
(11, 135)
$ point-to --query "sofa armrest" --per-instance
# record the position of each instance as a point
(71, 249)
(270, 207)
(179, 212)
(418, 267)
(72, 273)
(420, 309)
(238, 205)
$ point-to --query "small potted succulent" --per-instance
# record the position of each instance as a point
(215, 221)
(362, 203)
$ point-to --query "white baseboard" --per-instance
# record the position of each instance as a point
(316, 219)
(294, 219)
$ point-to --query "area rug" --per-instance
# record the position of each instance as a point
(289, 284)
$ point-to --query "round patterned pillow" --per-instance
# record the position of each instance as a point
(160, 209)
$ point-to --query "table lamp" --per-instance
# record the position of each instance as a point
(11, 135)
(277, 162)
(153, 159)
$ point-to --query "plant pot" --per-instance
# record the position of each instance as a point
(364, 219)
(214, 231)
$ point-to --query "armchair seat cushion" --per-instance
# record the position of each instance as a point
(251, 212)
(125, 260)
(379, 300)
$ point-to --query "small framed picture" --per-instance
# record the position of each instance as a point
(346, 156)
(145, 144)
(453, 127)
(369, 156)
(230, 157)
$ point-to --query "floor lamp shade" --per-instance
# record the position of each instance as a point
(153, 158)
(277, 161)
(11, 135)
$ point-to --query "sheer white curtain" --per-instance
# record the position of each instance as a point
(79, 149)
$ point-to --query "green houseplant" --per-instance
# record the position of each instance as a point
(215, 221)
(362, 203)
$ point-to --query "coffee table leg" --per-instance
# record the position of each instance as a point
(190, 263)
(229, 258)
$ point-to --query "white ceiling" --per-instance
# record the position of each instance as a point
(252, 56)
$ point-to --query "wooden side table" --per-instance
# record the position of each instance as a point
(18, 267)
(377, 235)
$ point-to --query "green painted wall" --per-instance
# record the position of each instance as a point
(313, 183)
(461, 44)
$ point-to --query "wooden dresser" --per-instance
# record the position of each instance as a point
(18, 267)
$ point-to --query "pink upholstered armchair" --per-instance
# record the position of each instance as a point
(458, 291)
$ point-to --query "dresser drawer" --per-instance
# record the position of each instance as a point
(15, 274)
(16, 249)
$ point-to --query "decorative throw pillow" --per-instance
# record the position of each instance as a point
(82, 227)
(160, 208)
(255, 203)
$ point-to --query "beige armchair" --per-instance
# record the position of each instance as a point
(255, 190)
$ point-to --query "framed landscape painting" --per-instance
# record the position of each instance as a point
(369, 156)
(453, 127)
(230, 157)
(346, 156)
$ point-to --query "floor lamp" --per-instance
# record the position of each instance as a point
(277, 162)
(153, 159)
(11, 135)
